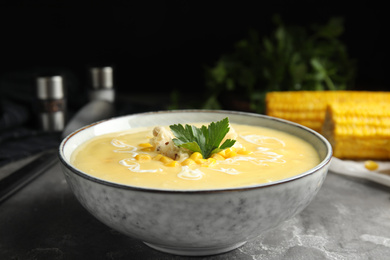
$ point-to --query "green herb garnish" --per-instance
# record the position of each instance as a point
(205, 140)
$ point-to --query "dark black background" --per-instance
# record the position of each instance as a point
(163, 45)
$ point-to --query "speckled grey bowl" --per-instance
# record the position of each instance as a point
(200, 222)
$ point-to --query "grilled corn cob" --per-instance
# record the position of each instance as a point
(358, 131)
(308, 107)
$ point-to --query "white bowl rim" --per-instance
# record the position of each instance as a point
(322, 164)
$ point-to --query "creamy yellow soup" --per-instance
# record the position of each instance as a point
(274, 155)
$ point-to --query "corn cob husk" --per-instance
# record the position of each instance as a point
(358, 131)
(308, 108)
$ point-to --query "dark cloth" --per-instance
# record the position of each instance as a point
(18, 139)
(12, 115)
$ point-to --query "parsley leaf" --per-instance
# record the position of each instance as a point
(205, 140)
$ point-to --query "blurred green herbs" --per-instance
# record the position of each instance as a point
(291, 58)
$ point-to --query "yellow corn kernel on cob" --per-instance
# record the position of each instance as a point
(358, 130)
(308, 108)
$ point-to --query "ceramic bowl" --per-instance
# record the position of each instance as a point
(197, 222)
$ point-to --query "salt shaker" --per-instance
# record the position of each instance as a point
(102, 84)
(51, 103)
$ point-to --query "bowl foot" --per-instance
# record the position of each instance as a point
(194, 251)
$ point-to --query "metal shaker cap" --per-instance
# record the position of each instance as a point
(102, 78)
(50, 88)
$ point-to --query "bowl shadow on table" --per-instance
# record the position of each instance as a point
(58, 227)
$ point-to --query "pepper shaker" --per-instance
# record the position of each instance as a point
(51, 103)
(102, 84)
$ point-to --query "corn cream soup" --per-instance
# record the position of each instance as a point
(260, 155)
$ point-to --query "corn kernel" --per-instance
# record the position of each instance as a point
(230, 149)
(188, 162)
(209, 162)
(158, 157)
(217, 156)
(222, 153)
(165, 159)
(200, 161)
(371, 165)
(230, 152)
(145, 145)
(243, 151)
(196, 155)
(172, 163)
(143, 157)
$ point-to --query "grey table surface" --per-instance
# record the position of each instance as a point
(348, 219)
